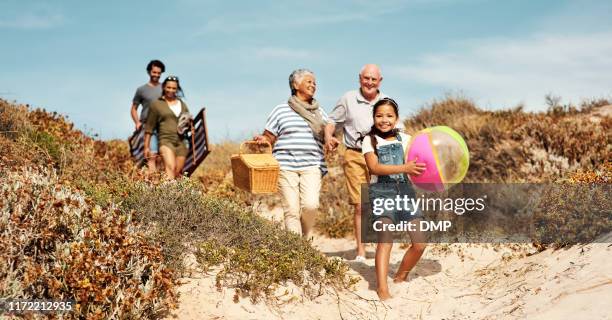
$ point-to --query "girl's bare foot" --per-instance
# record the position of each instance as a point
(401, 277)
(383, 294)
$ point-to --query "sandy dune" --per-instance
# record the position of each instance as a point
(452, 281)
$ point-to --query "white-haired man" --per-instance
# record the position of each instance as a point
(353, 113)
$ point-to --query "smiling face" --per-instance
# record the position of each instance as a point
(155, 74)
(369, 81)
(306, 87)
(385, 118)
(170, 89)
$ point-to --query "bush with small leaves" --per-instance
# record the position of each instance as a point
(256, 255)
(56, 244)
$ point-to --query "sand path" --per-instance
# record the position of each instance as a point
(452, 281)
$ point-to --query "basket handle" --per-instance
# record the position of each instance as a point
(269, 146)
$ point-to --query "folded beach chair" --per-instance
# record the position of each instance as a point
(198, 144)
(136, 141)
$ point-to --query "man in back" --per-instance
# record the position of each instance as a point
(145, 95)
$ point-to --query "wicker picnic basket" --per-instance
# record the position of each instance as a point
(255, 172)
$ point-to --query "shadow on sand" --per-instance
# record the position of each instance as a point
(424, 268)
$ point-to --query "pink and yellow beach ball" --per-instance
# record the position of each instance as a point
(445, 155)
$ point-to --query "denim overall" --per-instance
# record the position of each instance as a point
(389, 186)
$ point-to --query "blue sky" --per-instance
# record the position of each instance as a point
(85, 59)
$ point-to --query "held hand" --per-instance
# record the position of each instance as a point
(331, 144)
(138, 125)
(414, 168)
(260, 139)
(147, 153)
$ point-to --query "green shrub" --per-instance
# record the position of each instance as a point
(256, 255)
(48, 145)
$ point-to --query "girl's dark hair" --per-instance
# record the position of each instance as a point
(179, 90)
(374, 131)
(156, 63)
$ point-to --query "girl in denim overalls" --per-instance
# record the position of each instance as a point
(384, 150)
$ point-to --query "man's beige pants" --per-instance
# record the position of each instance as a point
(300, 190)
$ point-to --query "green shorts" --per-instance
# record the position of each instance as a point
(177, 146)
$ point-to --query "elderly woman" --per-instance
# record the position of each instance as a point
(295, 129)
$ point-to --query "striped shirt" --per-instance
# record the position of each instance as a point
(296, 148)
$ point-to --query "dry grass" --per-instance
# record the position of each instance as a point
(214, 169)
(336, 217)
(565, 144)
(80, 222)
(505, 146)
(77, 215)
(515, 146)
(61, 235)
(576, 211)
(56, 244)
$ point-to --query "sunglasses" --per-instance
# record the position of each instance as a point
(172, 78)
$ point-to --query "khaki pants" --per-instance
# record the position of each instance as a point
(356, 173)
(300, 190)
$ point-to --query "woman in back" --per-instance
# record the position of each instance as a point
(163, 116)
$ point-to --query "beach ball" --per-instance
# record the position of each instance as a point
(445, 155)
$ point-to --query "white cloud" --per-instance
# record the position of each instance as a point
(504, 72)
(584, 16)
(32, 21)
(282, 53)
(257, 21)
(275, 15)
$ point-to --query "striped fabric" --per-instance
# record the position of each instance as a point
(136, 141)
(198, 143)
(295, 147)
